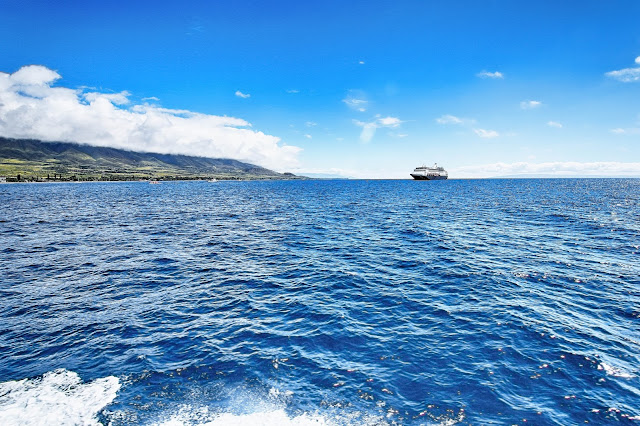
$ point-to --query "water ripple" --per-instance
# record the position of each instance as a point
(343, 302)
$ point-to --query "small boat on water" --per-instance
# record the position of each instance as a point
(430, 173)
(212, 180)
(154, 182)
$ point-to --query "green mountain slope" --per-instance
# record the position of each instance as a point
(27, 159)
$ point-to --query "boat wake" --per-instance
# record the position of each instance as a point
(58, 397)
(266, 418)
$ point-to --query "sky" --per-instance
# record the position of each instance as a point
(360, 89)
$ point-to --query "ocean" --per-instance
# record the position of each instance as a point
(382, 302)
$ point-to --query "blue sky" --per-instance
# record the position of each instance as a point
(360, 89)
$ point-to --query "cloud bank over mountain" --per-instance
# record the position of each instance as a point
(32, 107)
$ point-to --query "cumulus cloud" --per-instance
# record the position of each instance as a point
(554, 124)
(31, 107)
(34, 75)
(626, 75)
(488, 134)
(369, 128)
(559, 169)
(356, 101)
(242, 95)
(530, 104)
(121, 98)
(487, 74)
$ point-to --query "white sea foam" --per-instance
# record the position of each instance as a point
(188, 416)
(266, 418)
(614, 371)
(57, 398)
(265, 413)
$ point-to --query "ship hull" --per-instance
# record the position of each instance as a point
(423, 177)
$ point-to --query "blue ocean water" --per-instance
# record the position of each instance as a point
(321, 302)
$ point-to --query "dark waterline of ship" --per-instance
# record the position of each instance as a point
(321, 302)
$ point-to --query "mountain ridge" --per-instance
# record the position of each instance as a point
(32, 159)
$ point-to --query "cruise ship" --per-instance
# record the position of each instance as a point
(430, 173)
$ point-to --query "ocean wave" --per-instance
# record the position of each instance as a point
(58, 397)
(614, 371)
(382, 302)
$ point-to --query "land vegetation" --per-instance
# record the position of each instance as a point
(37, 161)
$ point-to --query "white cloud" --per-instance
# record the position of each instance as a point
(311, 124)
(559, 169)
(626, 75)
(356, 101)
(554, 124)
(452, 119)
(121, 98)
(369, 128)
(293, 91)
(31, 108)
(530, 104)
(151, 98)
(487, 74)
(627, 131)
(486, 133)
(368, 131)
(449, 119)
(308, 136)
(389, 122)
(242, 95)
(34, 75)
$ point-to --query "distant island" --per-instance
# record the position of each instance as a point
(28, 160)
